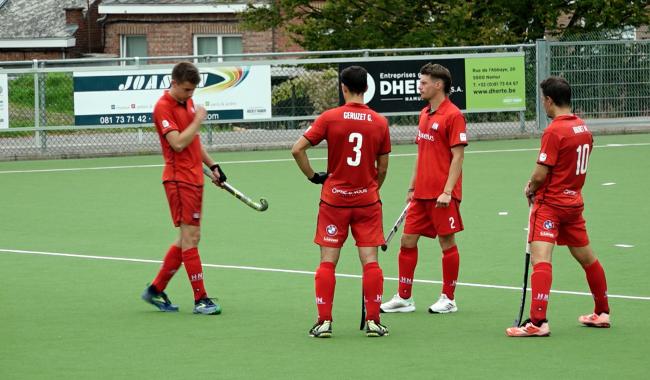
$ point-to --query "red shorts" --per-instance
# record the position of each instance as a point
(334, 222)
(558, 225)
(185, 202)
(424, 218)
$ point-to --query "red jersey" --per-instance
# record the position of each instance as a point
(438, 132)
(356, 136)
(566, 145)
(186, 165)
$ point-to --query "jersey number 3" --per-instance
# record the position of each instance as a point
(583, 158)
(358, 139)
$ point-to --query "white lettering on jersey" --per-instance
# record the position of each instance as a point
(357, 116)
(580, 129)
(425, 136)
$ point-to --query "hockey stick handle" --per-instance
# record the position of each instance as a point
(526, 268)
(261, 206)
(393, 230)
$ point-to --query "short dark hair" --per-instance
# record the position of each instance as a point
(355, 78)
(186, 72)
(558, 89)
(438, 72)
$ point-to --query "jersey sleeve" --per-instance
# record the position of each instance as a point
(317, 131)
(549, 150)
(457, 130)
(164, 120)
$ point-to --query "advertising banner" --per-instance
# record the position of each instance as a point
(128, 97)
(479, 83)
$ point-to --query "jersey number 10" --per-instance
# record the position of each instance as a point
(358, 138)
(583, 158)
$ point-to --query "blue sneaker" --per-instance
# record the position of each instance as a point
(158, 299)
(206, 306)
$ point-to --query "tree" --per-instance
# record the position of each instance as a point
(370, 24)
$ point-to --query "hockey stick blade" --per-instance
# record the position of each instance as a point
(261, 206)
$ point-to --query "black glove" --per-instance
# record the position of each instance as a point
(222, 175)
(318, 178)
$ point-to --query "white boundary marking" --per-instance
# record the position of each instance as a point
(260, 269)
(286, 160)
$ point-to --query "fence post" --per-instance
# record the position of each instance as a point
(543, 67)
(43, 107)
(522, 114)
(37, 134)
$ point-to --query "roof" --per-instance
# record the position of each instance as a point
(43, 19)
(172, 6)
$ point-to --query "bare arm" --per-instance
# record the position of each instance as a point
(455, 169)
(536, 180)
(411, 189)
(180, 140)
(299, 152)
(382, 169)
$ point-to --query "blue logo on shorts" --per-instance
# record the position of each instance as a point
(548, 225)
(331, 230)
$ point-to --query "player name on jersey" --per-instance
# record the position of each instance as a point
(357, 116)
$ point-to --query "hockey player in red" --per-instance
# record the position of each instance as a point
(435, 191)
(358, 144)
(555, 192)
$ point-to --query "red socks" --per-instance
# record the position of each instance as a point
(408, 259)
(170, 265)
(540, 282)
(450, 265)
(194, 270)
(325, 281)
(373, 288)
(598, 286)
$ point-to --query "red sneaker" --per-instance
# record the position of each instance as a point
(529, 329)
(595, 320)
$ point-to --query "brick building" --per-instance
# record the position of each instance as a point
(140, 28)
(48, 29)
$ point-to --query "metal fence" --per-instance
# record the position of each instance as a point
(608, 87)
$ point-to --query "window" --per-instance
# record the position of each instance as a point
(133, 46)
(218, 45)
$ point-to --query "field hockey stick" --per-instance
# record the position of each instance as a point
(526, 266)
(262, 206)
(393, 230)
(363, 309)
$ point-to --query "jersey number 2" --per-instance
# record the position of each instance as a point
(358, 138)
(583, 158)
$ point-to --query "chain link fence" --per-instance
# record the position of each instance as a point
(41, 104)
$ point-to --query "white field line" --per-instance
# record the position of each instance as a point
(286, 160)
(260, 269)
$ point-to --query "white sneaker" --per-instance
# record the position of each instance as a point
(443, 305)
(398, 304)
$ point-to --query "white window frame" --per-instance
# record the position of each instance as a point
(123, 44)
(219, 38)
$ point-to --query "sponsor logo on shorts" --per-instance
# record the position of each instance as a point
(542, 157)
(196, 215)
(547, 234)
(331, 240)
(548, 224)
(331, 230)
